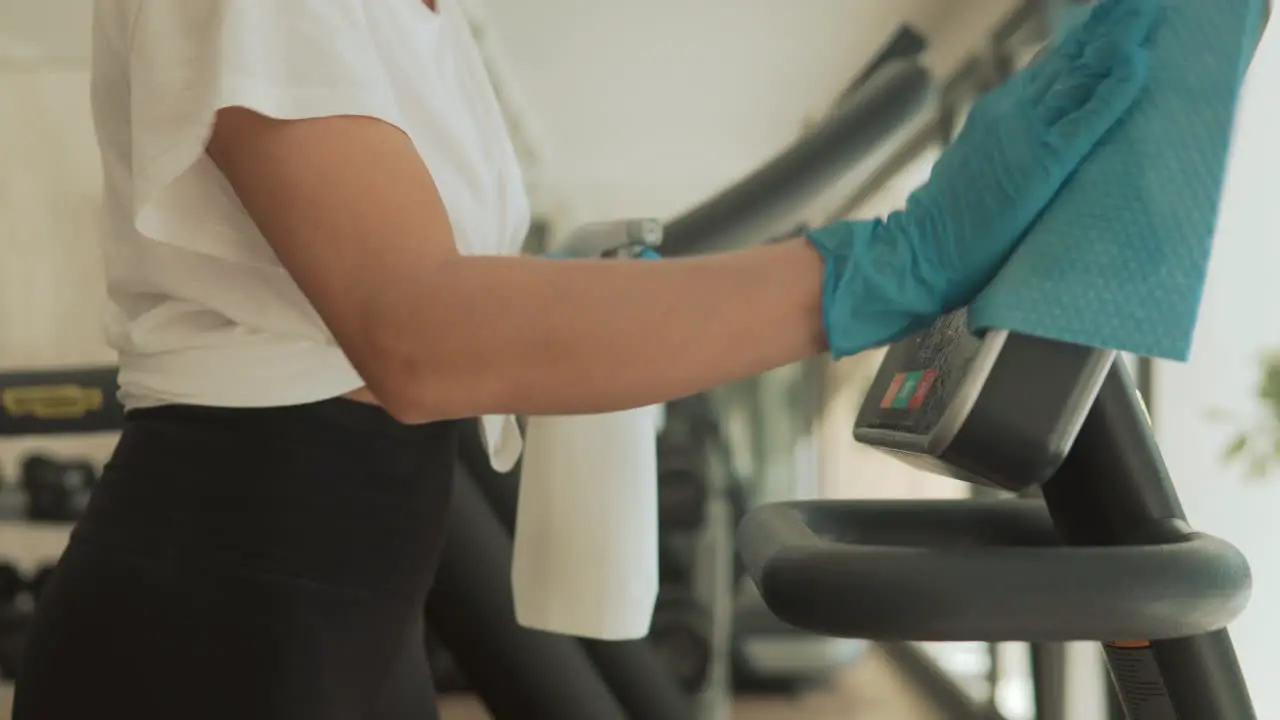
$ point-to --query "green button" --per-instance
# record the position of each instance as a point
(909, 383)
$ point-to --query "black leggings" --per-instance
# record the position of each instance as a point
(256, 564)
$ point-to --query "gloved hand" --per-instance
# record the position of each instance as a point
(885, 279)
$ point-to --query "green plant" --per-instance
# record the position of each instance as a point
(1257, 447)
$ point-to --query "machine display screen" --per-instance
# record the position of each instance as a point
(919, 378)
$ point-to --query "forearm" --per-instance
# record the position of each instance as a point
(535, 336)
(354, 216)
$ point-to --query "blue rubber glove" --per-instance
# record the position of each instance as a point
(885, 279)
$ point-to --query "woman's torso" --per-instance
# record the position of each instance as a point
(210, 317)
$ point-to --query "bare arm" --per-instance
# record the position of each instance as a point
(355, 217)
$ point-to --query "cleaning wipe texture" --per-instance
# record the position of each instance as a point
(1119, 259)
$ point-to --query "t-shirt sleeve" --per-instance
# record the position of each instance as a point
(287, 59)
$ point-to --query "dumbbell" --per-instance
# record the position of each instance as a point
(676, 554)
(681, 636)
(56, 490)
(682, 484)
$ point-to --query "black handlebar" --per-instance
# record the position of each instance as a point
(983, 570)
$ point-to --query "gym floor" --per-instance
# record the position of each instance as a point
(869, 692)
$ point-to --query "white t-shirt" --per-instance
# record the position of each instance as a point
(201, 310)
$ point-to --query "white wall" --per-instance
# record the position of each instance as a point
(646, 108)
(51, 288)
(1238, 320)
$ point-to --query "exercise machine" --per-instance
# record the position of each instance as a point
(1106, 554)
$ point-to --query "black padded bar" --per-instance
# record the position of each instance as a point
(1114, 488)
(631, 668)
(519, 674)
(981, 570)
(767, 201)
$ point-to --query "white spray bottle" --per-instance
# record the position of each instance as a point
(585, 561)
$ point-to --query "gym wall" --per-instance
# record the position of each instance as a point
(51, 286)
(1238, 323)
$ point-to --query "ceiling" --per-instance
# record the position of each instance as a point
(624, 107)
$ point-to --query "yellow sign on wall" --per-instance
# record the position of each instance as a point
(51, 402)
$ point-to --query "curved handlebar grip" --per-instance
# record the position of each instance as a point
(982, 570)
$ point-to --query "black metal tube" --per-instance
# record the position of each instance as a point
(1114, 482)
(767, 201)
(1203, 677)
(642, 685)
(519, 674)
(1112, 489)
(631, 669)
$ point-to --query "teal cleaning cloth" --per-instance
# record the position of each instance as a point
(1119, 259)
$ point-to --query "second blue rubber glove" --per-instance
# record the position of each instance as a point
(885, 279)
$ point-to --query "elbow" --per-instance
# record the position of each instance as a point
(428, 367)
(415, 400)
(424, 390)
(410, 410)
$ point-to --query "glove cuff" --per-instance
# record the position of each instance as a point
(836, 244)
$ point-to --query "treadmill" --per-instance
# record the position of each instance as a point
(1105, 554)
